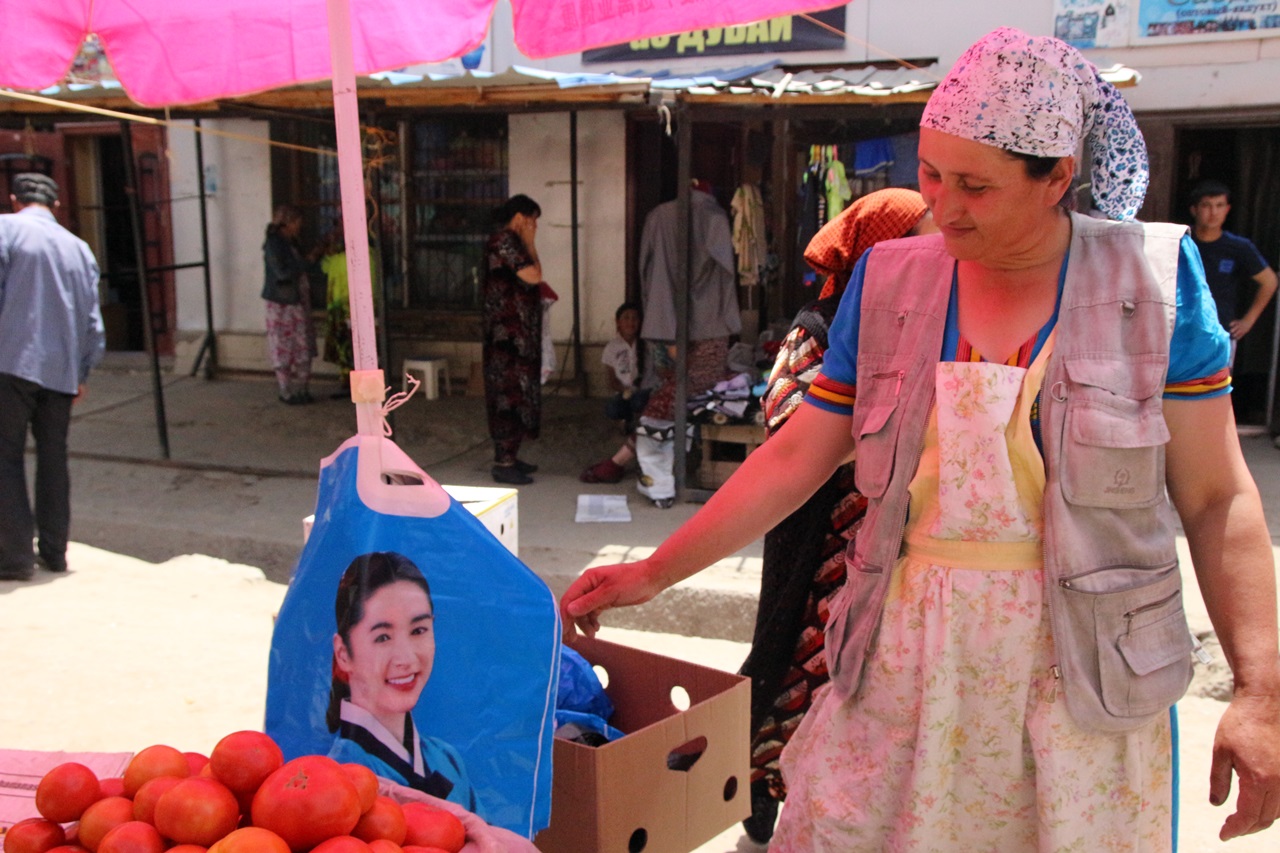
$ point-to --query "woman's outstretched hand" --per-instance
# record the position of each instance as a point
(598, 589)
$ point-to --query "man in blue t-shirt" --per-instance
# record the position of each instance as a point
(1230, 261)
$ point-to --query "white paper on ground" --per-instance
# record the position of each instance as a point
(602, 508)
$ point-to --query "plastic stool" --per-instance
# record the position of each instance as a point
(432, 369)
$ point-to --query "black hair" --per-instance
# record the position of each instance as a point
(516, 204)
(282, 216)
(367, 574)
(35, 188)
(1039, 168)
(624, 308)
(1209, 189)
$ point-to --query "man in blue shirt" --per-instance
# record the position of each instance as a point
(1230, 261)
(51, 335)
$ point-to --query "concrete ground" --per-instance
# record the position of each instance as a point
(159, 632)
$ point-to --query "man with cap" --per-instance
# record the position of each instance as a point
(51, 336)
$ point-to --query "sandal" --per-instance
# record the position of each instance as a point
(606, 471)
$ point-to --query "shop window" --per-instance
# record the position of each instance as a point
(459, 175)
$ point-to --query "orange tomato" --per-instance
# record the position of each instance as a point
(384, 819)
(33, 835)
(382, 845)
(158, 760)
(66, 791)
(341, 844)
(113, 786)
(432, 827)
(196, 761)
(144, 802)
(197, 811)
(366, 783)
(243, 760)
(102, 817)
(250, 839)
(307, 801)
(132, 836)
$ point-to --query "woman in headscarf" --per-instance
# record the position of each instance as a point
(1031, 395)
(804, 555)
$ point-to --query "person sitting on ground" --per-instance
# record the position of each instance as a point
(622, 371)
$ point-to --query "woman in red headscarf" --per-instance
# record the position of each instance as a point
(804, 555)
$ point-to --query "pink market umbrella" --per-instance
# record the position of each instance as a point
(170, 52)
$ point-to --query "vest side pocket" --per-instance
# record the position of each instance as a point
(876, 423)
(854, 620)
(1142, 663)
(1116, 433)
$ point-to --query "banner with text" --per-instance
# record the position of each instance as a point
(1207, 18)
(814, 31)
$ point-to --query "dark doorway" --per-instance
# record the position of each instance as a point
(120, 266)
(1246, 159)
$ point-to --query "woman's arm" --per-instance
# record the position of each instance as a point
(531, 274)
(1231, 550)
(770, 484)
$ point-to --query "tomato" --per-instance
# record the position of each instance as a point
(366, 783)
(196, 762)
(66, 791)
(385, 819)
(342, 844)
(243, 760)
(158, 760)
(418, 848)
(382, 845)
(250, 839)
(113, 786)
(144, 802)
(307, 801)
(68, 848)
(187, 848)
(132, 836)
(102, 817)
(197, 811)
(33, 835)
(432, 827)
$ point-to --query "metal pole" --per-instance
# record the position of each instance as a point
(684, 259)
(578, 372)
(1271, 372)
(210, 345)
(139, 247)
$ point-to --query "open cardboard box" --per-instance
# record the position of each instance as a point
(678, 778)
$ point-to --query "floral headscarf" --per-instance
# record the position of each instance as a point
(1037, 95)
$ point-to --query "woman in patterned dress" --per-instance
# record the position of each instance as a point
(959, 715)
(291, 338)
(513, 337)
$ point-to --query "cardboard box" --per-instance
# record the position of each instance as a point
(678, 778)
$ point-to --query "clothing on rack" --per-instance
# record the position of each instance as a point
(748, 233)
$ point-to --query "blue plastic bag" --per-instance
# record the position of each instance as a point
(444, 673)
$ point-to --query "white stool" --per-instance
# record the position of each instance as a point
(432, 369)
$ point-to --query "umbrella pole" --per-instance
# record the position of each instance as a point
(367, 383)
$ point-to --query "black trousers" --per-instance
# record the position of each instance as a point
(25, 405)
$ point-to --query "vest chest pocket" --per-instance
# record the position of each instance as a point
(876, 425)
(1113, 445)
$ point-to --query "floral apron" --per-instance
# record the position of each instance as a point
(957, 738)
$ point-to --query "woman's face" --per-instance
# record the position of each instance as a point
(391, 652)
(982, 200)
(291, 228)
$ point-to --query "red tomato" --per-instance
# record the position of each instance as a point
(68, 848)
(418, 848)
(366, 783)
(144, 802)
(197, 811)
(187, 848)
(382, 845)
(133, 836)
(385, 819)
(113, 786)
(432, 827)
(33, 835)
(342, 844)
(66, 791)
(196, 762)
(102, 817)
(250, 839)
(158, 760)
(243, 760)
(307, 801)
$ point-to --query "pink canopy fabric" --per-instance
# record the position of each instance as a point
(169, 52)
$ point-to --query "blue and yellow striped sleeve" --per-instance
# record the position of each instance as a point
(1201, 349)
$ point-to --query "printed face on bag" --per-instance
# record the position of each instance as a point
(391, 651)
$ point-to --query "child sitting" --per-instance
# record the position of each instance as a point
(622, 370)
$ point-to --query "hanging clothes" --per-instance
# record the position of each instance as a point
(836, 184)
(748, 233)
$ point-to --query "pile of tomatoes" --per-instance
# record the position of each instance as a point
(243, 798)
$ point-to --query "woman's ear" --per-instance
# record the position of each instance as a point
(341, 655)
(1062, 177)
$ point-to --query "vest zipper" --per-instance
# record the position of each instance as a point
(1069, 583)
(899, 375)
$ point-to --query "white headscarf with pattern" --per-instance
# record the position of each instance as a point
(1039, 96)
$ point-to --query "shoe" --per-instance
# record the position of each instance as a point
(17, 573)
(291, 399)
(764, 814)
(606, 471)
(525, 467)
(510, 475)
(50, 566)
(664, 503)
(304, 397)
